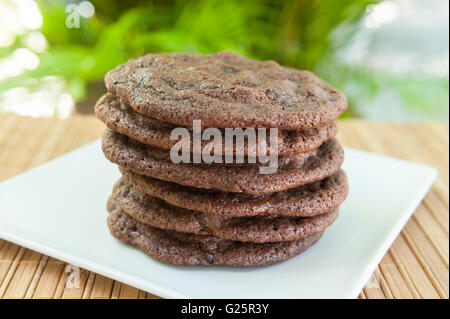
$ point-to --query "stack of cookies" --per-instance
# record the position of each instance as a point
(221, 213)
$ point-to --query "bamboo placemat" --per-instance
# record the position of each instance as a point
(416, 266)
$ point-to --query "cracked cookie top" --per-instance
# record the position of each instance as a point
(225, 90)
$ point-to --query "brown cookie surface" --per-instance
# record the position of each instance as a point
(202, 250)
(257, 229)
(225, 90)
(293, 171)
(303, 201)
(153, 132)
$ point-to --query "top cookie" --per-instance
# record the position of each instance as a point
(225, 90)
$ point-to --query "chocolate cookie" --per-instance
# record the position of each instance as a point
(258, 229)
(303, 201)
(149, 131)
(225, 90)
(293, 171)
(204, 250)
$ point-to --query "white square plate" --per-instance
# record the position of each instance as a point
(59, 209)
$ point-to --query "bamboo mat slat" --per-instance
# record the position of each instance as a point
(416, 266)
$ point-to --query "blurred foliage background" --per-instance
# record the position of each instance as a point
(48, 66)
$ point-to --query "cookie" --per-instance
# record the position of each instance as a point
(225, 90)
(293, 171)
(149, 131)
(258, 229)
(303, 201)
(202, 250)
